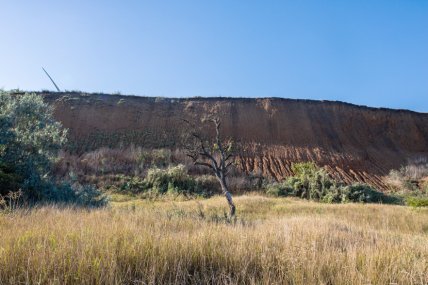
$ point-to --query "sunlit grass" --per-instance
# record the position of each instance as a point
(273, 241)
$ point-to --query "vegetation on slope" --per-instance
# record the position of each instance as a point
(411, 182)
(171, 180)
(313, 183)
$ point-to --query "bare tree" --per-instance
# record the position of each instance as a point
(216, 155)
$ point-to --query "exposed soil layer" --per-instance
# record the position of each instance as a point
(354, 143)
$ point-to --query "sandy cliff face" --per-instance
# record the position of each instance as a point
(355, 143)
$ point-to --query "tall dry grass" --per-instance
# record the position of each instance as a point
(275, 241)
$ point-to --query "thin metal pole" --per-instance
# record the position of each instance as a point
(56, 86)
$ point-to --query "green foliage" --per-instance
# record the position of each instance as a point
(278, 190)
(171, 180)
(303, 169)
(417, 202)
(131, 184)
(72, 192)
(88, 196)
(313, 183)
(30, 139)
(161, 157)
(9, 179)
(361, 193)
(175, 180)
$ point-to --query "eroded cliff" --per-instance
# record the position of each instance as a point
(354, 143)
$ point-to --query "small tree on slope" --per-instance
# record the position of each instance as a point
(214, 154)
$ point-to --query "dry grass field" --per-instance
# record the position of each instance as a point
(273, 241)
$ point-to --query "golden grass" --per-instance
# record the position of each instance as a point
(274, 241)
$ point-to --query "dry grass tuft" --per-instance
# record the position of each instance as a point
(275, 241)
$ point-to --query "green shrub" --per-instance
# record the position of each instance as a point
(89, 196)
(361, 193)
(334, 194)
(9, 179)
(278, 190)
(174, 180)
(313, 183)
(309, 182)
(30, 139)
(133, 184)
(171, 180)
(301, 169)
(161, 157)
(71, 192)
(417, 202)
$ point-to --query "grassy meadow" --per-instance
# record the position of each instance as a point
(272, 241)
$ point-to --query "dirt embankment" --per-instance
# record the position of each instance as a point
(355, 143)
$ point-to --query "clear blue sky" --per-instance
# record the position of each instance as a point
(365, 52)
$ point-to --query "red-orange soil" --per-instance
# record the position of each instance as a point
(354, 143)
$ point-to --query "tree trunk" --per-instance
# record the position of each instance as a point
(228, 196)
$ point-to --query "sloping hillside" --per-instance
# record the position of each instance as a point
(355, 143)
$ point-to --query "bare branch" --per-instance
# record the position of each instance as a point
(229, 164)
(229, 157)
(204, 164)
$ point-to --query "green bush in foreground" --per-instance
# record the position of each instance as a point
(313, 183)
(30, 139)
